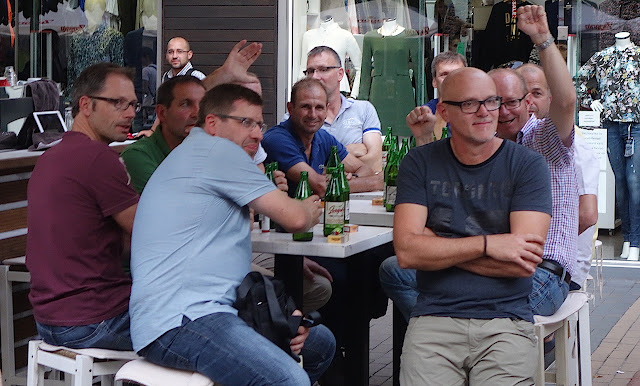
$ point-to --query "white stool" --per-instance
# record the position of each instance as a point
(573, 342)
(148, 374)
(9, 275)
(82, 364)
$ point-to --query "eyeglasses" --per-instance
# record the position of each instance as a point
(472, 107)
(322, 70)
(179, 52)
(119, 104)
(248, 123)
(513, 103)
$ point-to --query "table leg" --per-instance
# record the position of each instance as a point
(288, 268)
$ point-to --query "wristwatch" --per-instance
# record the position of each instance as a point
(545, 44)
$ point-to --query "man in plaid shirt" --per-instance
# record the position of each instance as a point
(552, 136)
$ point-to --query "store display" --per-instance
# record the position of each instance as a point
(390, 55)
(340, 40)
(617, 72)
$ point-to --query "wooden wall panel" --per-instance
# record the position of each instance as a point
(212, 27)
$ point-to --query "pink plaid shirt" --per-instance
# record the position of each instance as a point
(541, 135)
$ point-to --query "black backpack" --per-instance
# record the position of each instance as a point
(263, 304)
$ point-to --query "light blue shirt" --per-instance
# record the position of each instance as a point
(191, 244)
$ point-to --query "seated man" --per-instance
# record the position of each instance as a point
(191, 248)
(81, 205)
(298, 144)
(354, 123)
(474, 251)
(177, 111)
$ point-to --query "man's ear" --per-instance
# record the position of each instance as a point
(161, 112)
(289, 107)
(341, 72)
(211, 123)
(85, 105)
(442, 111)
(190, 54)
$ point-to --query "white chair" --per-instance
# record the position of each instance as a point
(147, 374)
(573, 342)
(11, 271)
(81, 364)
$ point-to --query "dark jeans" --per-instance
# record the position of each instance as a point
(627, 177)
(112, 334)
(225, 349)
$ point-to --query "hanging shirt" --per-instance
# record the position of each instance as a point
(618, 75)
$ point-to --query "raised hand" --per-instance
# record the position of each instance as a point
(421, 121)
(532, 20)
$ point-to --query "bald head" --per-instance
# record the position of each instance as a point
(461, 83)
(178, 54)
(538, 88)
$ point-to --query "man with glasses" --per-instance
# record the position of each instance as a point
(471, 217)
(193, 219)
(354, 123)
(81, 207)
(552, 136)
(179, 56)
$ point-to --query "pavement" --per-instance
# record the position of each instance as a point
(615, 325)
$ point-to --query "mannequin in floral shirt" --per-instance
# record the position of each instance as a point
(617, 72)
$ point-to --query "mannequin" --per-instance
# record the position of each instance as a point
(390, 27)
(342, 41)
(393, 50)
(617, 71)
(97, 43)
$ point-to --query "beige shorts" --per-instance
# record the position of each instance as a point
(458, 351)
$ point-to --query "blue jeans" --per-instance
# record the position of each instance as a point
(224, 348)
(112, 334)
(548, 293)
(627, 180)
(400, 285)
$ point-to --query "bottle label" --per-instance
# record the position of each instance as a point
(334, 212)
(384, 157)
(346, 211)
(390, 195)
(265, 223)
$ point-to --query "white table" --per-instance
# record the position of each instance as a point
(363, 213)
(361, 255)
(366, 195)
(282, 243)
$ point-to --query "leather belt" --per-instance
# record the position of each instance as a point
(555, 268)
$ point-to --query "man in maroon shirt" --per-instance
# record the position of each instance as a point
(80, 216)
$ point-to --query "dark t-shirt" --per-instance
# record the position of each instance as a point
(74, 246)
(463, 201)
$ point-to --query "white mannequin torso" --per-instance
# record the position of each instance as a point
(623, 40)
(390, 28)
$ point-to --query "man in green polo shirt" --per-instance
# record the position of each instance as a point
(178, 100)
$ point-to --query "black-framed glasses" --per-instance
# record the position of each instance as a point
(179, 52)
(248, 123)
(513, 103)
(322, 70)
(472, 107)
(119, 104)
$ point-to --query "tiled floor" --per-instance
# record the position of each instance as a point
(615, 326)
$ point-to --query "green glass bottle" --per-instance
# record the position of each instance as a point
(413, 142)
(273, 166)
(346, 191)
(265, 222)
(386, 144)
(405, 148)
(334, 206)
(445, 133)
(332, 162)
(392, 155)
(302, 193)
(390, 176)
